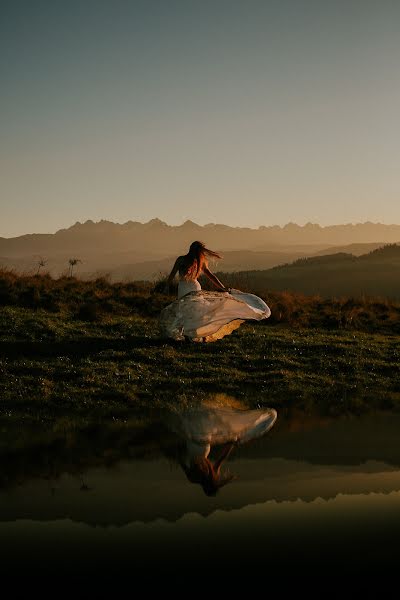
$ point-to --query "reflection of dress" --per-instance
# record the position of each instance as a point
(209, 316)
(205, 427)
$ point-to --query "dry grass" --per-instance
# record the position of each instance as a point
(92, 300)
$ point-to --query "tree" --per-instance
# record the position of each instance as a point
(72, 262)
(41, 262)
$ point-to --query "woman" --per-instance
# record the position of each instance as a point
(190, 267)
(202, 470)
(202, 316)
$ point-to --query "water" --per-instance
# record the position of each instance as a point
(308, 494)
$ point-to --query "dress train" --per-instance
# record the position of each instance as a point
(209, 316)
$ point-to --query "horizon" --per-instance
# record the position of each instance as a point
(209, 224)
(228, 112)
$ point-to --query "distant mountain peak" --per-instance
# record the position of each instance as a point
(88, 223)
(188, 223)
(291, 225)
(310, 225)
(155, 221)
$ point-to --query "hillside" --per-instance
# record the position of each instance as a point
(232, 261)
(73, 349)
(355, 249)
(123, 249)
(375, 274)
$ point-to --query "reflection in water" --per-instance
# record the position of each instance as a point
(204, 428)
(84, 487)
(311, 496)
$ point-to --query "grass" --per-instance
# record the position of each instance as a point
(92, 301)
(52, 367)
(88, 351)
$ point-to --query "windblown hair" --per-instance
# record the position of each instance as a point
(196, 259)
(202, 471)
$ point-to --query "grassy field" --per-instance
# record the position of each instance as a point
(92, 350)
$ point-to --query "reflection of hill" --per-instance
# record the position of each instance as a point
(145, 491)
(141, 484)
(375, 274)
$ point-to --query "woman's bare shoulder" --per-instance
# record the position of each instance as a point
(180, 263)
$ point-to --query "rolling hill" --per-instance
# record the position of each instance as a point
(376, 273)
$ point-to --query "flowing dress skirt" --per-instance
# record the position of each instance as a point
(209, 316)
(203, 428)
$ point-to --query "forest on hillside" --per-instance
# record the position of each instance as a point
(374, 274)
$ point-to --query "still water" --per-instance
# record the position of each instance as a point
(304, 493)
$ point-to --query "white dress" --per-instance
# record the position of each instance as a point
(205, 427)
(209, 316)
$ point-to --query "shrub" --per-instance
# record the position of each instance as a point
(90, 300)
(89, 312)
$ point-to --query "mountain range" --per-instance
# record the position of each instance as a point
(136, 250)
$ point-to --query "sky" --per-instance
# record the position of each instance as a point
(248, 113)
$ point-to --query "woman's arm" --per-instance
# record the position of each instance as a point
(214, 279)
(224, 455)
(171, 276)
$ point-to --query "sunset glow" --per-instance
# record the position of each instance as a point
(244, 113)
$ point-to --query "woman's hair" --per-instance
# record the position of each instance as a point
(197, 259)
(202, 471)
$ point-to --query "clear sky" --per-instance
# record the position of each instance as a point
(252, 112)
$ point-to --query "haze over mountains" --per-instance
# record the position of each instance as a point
(136, 250)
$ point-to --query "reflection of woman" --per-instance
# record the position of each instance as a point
(203, 428)
(200, 469)
(205, 316)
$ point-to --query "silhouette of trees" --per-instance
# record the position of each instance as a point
(72, 263)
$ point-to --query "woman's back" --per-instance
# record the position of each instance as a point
(187, 268)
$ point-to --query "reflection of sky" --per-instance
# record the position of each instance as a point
(147, 491)
(130, 110)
